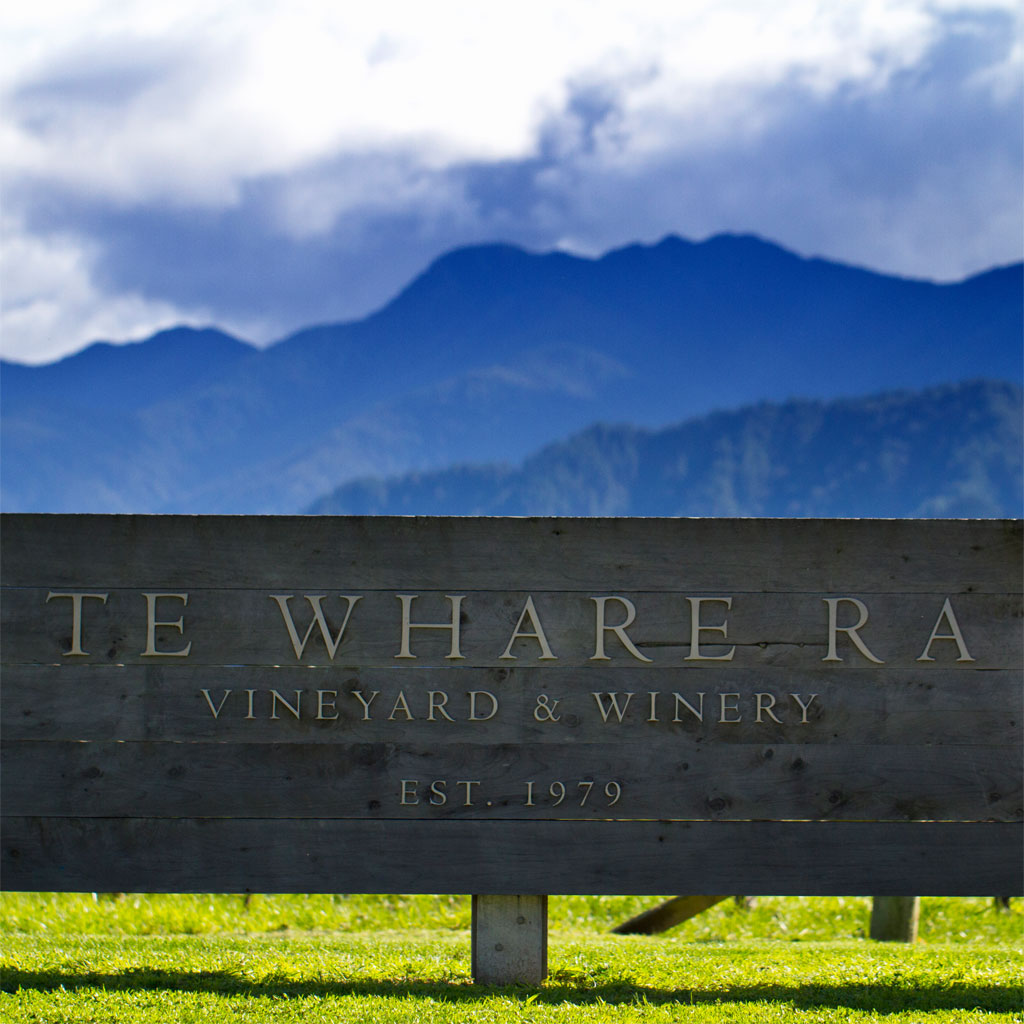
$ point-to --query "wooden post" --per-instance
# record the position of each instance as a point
(894, 918)
(667, 915)
(510, 940)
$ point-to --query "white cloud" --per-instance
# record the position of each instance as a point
(249, 89)
(49, 296)
(337, 115)
(52, 304)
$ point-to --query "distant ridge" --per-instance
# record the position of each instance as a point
(489, 354)
(128, 376)
(951, 451)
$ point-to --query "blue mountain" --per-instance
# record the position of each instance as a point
(950, 451)
(125, 377)
(488, 355)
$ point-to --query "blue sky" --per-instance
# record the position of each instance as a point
(266, 165)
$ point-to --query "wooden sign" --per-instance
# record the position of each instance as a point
(511, 705)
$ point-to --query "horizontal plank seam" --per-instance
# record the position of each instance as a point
(525, 822)
(334, 587)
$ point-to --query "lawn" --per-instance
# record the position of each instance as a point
(128, 958)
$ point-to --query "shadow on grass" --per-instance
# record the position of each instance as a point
(563, 987)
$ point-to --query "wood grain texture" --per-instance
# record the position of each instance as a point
(764, 630)
(629, 781)
(324, 554)
(120, 772)
(772, 858)
(925, 705)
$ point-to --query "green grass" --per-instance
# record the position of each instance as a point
(75, 957)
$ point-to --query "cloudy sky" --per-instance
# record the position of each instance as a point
(267, 164)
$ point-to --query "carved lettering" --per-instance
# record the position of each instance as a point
(322, 704)
(613, 705)
(152, 624)
(557, 791)
(537, 633)
(436, 700)
(408, 625)
(834, 629)
(601, 627)
(545, 707)
(803, 706)
(955, 635)
(697, 712)
(358, 694)
(473, 695)
(76, 619)
(730, 705)
(215, 710)
(332, 643)
(469, 784)
(401, 704)
(276, 698)
(696, 628)
(437, 792)
(765, 703)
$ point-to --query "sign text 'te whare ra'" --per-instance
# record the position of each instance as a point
(491, 670)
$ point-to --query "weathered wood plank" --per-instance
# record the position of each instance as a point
(780, 630)
(324, 554)
(622, 780)
(915, 713)
(773, 858)
(921, 706)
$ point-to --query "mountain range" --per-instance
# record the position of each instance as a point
(488, 356)
(951, 451)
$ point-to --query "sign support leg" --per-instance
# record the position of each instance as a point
(894, 918)
(510, 940)
(667, 915)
